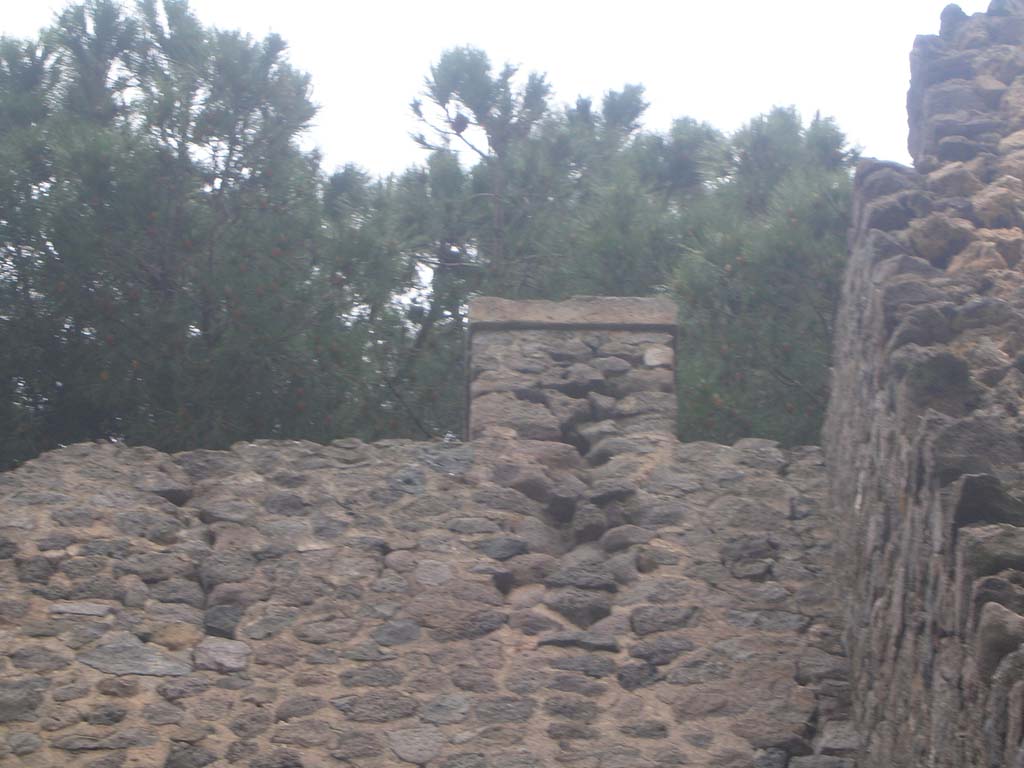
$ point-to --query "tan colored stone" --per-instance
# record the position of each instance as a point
(977, 256)
(990, 88)
(1000, 631)
(1012, 103)
(938, 237)
(954, 180)
(659, 356)
(1012, 164)
(999, 204)
(531, 421)
(177, 636)
(1009, 242)
(488, 311)
(1012, 143)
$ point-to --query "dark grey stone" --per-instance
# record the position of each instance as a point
(471, 525)
(38, 659)
(465, 760)
(189, 756)
(174, 690)
(222, 620)
(178, 591)
(106, 714)
(226, 567)
(470, 626)
(571, 708)
(772, 757)
(377, 707)
(572, 732)
(123, 739)
(284, 503)
(577, 683)
(22, 744)
(279, 758)
(530, 623)
(637, 675)
(648, 619)
(299, 706)
(648, 729)
(774, 621)
(118, 687)
(397, 632)
(125, 654)
(446, 709)
(588, 641)
(624, 536)
(581, 607)
(156, 526)
(504, 709)
(592, 666)
(661, 649)
(329, 630)
(36, 569)
(70, 692)
(250, 724)
(162, 713)
(154, 566)
(468, 677)
(502, 547)
(371, 676)
(586, 576)
(73, 518)
(354, 744)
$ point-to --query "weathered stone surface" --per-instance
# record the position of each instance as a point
(503, 547)
(576, 312)
(189, 756)
(504, 603)
(356, 744)
(922, 433)
(646, 620)
(416, 745)
(662, 648)
(222, 655)
(572, 364)
(446, 709)
(588, 641)
(20, 698)
(397, 632)
(35, 659)
(531, 421)
(504, 709)
(120, 739)
(377, 707)
(581, 607)
(125, 654)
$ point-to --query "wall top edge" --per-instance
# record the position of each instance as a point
(576, 312)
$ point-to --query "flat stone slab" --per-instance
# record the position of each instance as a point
(579, 311)
(125, 654)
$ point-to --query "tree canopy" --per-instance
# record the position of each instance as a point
(176, 271)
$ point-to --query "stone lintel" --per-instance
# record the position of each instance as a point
(578, 312)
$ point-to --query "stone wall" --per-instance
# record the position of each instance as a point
(505, 603)
(577, 371)
(924, 435)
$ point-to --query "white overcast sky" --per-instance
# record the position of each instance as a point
(722, 61)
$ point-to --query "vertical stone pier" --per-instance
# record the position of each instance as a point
(575, 371)
(925, 423)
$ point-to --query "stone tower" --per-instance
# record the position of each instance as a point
(924, 430)
(575, 371)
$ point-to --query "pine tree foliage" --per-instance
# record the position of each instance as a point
(758, 281)
(176, 271)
